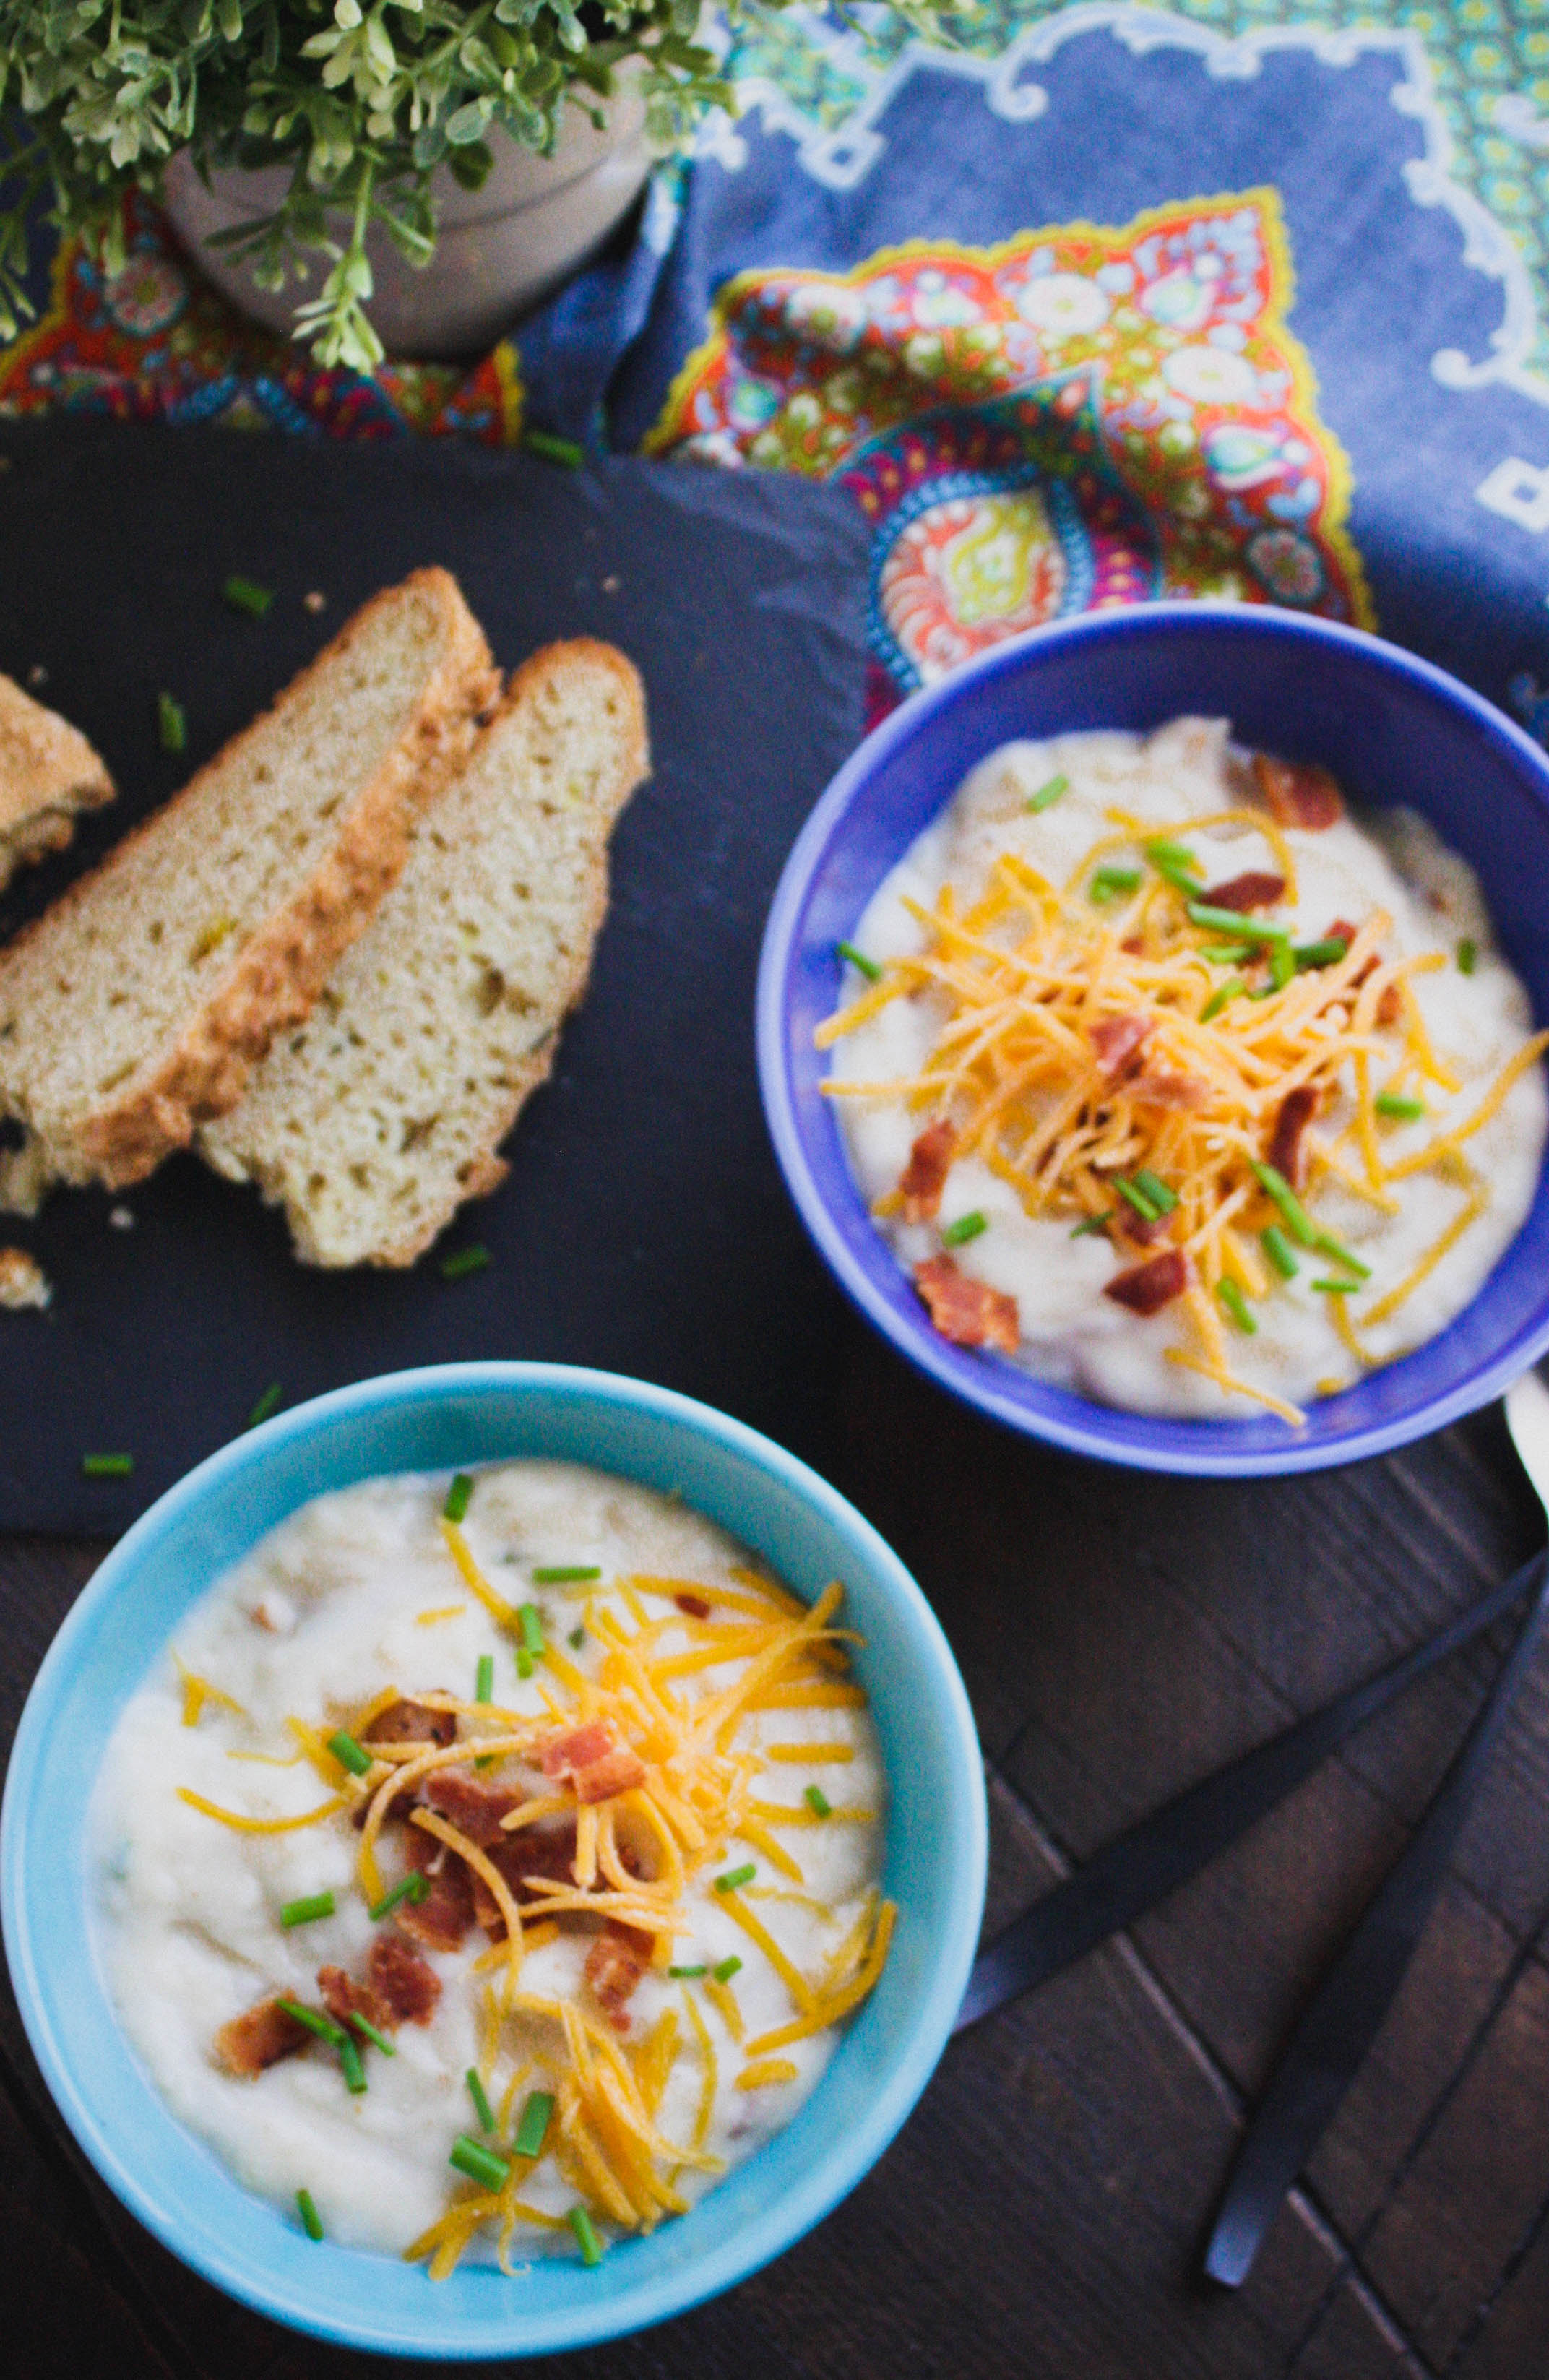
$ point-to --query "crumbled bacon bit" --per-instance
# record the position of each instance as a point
(410, 1722)
(616, 1772)
(615, 1963)
(343, 1998)
(1341, 930)
(1390, 1004)
(442, 1919)
(474, 1810)
(407, 1988)
(967, 1312)
(1298, 793)
(564, 1753)
(1146, 1288)
(260, 2037)
(537, 1855)
(1296, 1113)
(1164, 1086)
(924, 1178)
(1141, 1229)
(1243, 894)
(694, 1605)
(1117, 1040)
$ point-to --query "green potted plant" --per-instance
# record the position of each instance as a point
(368, 175)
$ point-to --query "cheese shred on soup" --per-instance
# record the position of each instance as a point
(1173, 1084)
(492, 1865)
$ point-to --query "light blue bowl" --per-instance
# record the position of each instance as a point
(1393, 729)
(463, 1415)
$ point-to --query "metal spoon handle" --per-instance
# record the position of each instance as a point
(1331, 2042)
(1141, 1866)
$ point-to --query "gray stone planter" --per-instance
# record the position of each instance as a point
(498, 251)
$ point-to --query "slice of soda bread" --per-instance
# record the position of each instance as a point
(48, 772)
(139, 1002)
(374, 1121)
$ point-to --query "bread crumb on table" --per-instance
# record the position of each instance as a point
(23, 1281)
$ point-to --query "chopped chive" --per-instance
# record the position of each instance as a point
(1176, 855)
(267, 1403)
(378, 2040)
(1232, 989)
(816, 1799)
(301, 1913)
(567, 1574)
(107, 1466)
(172, 723)
(966, 1228)
(246, 595)
(458, 1498)
(480, 2164)
(554, 450)
(1236, 1304)
(524, 1662)
(1298, 1222)
(1468, 954)
(1224, 953)
(1338, 1288)
(685, 1974)
(858, 960)
(1276, 1247)
(1048, 793)
(312, 2221)
(1107, 882)
(533, 2129)
(727, 1969)
(1155, 1189)
(1282, 964)
(458, 1266)
(1137, 1198)
(348, 1754)
(586, 2236)
(480, 2098)
(1329, 1246)
(735, 1876)
(315, 2021)
(1389, 1103)
(484, 1679)
(532, 1628)
(352, 2064)
(1093, 1223)
(1240, 929)
(576, 1638)
(409, 1888)
(1328, 953)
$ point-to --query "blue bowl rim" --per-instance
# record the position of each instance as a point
(841, 2167)
(1112, 1435)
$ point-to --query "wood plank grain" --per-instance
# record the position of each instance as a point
(1444, 2238)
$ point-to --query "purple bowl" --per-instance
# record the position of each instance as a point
(1393, 729)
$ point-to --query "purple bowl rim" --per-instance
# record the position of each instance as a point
(1113, 1435)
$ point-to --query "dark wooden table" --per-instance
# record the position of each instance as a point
(1042, 2211)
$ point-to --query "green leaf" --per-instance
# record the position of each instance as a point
(467, 124)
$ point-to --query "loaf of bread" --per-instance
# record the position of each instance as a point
(48, 772)
(374, 1121)
(138, 1005)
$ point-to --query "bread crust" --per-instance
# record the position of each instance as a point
(491, 1167)
(48, 772)
(280, 970)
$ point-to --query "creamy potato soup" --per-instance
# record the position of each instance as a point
(491, 1864)
(1174, 1084)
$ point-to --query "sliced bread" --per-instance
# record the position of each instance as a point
(48, 772)
(139, 1002)
(374, 1121)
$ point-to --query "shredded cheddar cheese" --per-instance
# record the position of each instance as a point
(1084, 1041)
